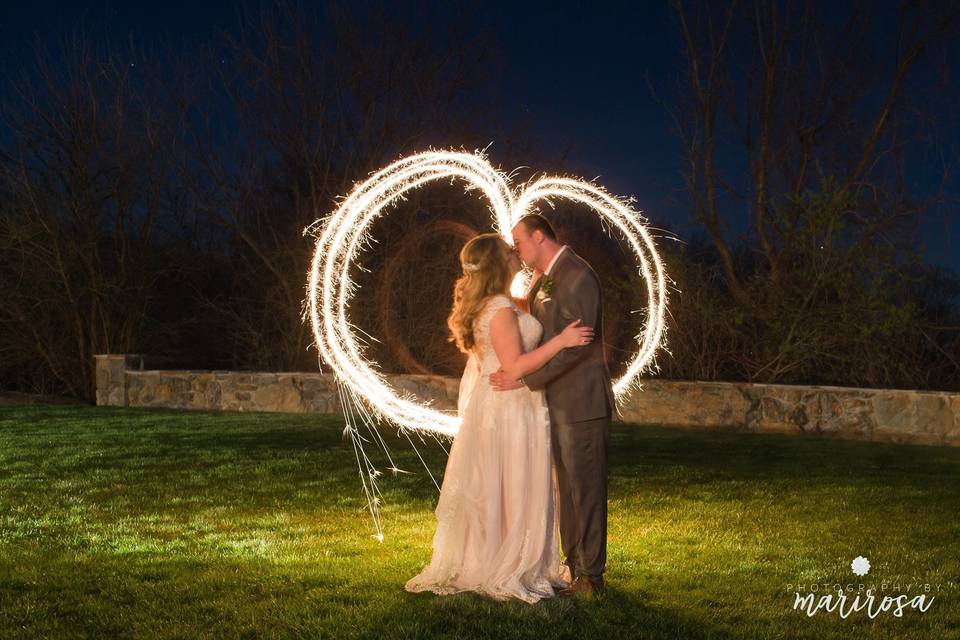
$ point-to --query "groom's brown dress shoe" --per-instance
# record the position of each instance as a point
(583, 588)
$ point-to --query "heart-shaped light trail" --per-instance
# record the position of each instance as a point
(341, 237)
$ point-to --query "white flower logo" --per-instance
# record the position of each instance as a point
(860, 566)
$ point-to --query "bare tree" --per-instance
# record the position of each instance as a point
(309, 104)
(804, 122)
(163, 206)
(86, 183)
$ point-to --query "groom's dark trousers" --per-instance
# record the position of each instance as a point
(580, 455)
(580, 398)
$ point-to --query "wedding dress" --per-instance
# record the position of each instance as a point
(497, 528)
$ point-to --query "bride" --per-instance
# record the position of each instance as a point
(497, 531)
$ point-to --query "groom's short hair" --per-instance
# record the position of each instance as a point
(536, 222)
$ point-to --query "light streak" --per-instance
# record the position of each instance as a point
(341, 237)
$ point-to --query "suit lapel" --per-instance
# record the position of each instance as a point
(535, 307)
(552, 324)
(532, 298)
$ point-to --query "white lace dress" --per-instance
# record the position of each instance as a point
(497, 531)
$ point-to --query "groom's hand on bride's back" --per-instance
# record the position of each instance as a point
(500, 381)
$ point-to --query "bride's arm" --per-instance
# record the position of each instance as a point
(505, 338)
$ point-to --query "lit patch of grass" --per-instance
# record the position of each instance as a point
(161, 524)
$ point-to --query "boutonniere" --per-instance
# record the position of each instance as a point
(546, 287)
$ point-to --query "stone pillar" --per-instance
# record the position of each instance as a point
(112, 377)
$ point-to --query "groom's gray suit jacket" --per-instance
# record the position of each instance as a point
(576, 380)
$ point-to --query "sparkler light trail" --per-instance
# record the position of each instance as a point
(367, 396)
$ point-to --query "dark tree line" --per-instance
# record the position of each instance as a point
(806, 118)
(154, 201)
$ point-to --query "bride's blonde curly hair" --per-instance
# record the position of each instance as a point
(486, 272)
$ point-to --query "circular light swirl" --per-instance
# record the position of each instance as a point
(344, 234)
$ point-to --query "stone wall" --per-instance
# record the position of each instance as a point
(123, 382)
(919, 417)
(883, 415)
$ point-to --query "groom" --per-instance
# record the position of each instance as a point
(579, 395)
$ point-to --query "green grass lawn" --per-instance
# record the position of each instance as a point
(119, 523)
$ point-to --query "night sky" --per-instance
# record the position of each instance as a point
(574, 78)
